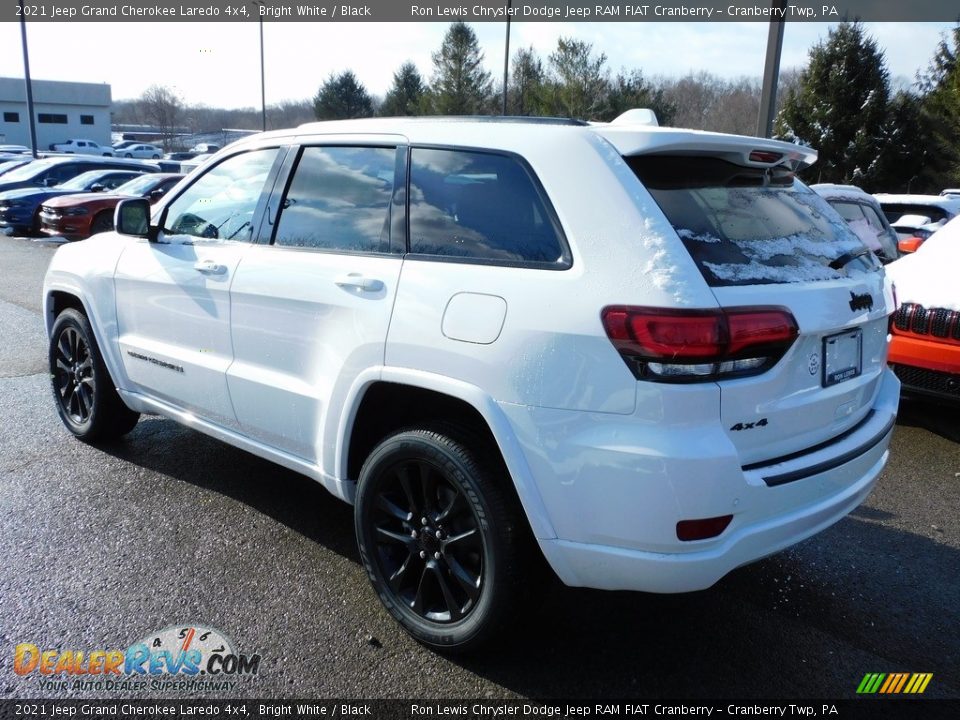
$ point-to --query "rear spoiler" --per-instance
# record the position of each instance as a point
(643, 138)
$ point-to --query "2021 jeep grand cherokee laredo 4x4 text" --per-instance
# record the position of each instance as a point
(651, 353)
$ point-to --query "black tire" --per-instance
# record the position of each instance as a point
(83, 391)
(442, 539)
(127, 155)
(103, 222)
(155, 157)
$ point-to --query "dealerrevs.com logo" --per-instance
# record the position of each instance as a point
(181, 657)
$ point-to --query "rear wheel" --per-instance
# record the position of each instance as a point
(441, 538)
(127, 155)
(85, 396)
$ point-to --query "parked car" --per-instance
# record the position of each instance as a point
(14, 149)
(951, 192)
(646, 355)
(20, 208)
(8, 165)
(925, 349)
(917, 217)
(205, 148)
(141, 150)
(52, 171)
(82, 147)
(76, 217)
(864, 216)
(178, 156)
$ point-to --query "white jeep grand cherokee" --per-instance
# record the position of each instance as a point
(651, 353)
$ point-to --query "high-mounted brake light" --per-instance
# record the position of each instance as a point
(765, 156)
(691, 345)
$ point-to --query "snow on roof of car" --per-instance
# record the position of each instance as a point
(946, 203)
(842, 192)
(928, 276)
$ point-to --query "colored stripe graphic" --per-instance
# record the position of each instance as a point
(894, 683)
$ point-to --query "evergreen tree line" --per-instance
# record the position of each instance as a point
(841, 103)
(866, 135)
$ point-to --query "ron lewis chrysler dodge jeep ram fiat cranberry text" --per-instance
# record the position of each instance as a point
(647, 355)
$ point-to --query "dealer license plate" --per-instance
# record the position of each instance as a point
(842, 356)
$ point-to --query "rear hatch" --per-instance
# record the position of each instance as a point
(803, 301)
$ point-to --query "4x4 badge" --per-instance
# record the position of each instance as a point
(762, 422)
(861, 302)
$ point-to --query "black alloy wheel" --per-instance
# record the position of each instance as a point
(73, 377)
(439, 537)
(86, 399)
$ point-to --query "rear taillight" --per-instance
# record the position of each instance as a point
(696, 345)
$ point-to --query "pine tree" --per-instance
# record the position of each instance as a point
(460, 85)
(405, 96)
(579, 81)
(840, 107)
(342, 97)
(525, 96)
(940, 110)
(629, 90)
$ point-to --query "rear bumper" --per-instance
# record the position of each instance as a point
(812, 491)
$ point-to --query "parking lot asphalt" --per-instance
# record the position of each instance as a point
(102, 545)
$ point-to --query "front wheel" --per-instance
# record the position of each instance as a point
(441, 538)
(85, 396)
(102, 223)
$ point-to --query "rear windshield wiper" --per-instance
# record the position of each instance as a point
(848, 258)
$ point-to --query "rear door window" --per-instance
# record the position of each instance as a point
(480, 207)
(746, 226)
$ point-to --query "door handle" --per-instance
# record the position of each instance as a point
(209, 267)
(360, 282)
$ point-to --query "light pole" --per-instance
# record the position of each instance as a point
(26, 76)
(263, 83)
(506, 59)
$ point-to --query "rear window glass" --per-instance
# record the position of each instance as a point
(895, 211)
(479, 206)
(747, 226)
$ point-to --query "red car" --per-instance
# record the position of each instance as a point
(76, 217)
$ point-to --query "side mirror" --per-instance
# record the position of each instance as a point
(49, 182)
(910, 244)
(132, 217)
(97, 187)
(156, 195)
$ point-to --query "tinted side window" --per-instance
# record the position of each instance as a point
(339, 199)
(221, 204)
(478, 205)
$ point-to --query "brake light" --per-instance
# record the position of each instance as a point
(690, 345)
(910, 244)
(765, 156)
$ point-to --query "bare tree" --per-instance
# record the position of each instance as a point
(160, 106)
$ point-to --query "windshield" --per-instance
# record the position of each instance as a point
(83, 181)
(28, 171)
(746, 226)
(138, 186)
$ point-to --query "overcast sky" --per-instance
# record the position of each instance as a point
(218, 64)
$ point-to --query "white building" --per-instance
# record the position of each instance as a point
(63, 110)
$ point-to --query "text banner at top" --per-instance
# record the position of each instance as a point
(482, 11)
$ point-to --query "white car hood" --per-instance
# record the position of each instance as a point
(928, 277)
